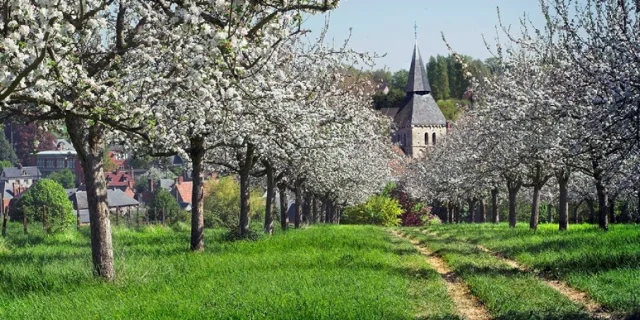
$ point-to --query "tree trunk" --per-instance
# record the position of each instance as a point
(456, 212)
(494, 206)
(563, 202)
(472, 205)
(625, 213)
(284, 217)
(535, 208)
(88, 140)
(196, 153)
(306, 209)
(483, 211)
(513, 187)
(549, 213)
(329, 212)
(314, 209)
(298, 194)
(592, 211)
(245, 160)
(612, 209)
(271, 194)
(603, 220)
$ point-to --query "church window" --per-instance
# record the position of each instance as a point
(426, 139)
(434, 139)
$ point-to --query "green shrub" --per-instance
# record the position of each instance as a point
(65, 178)
(48, 197)
(222, 204)
(379, 210)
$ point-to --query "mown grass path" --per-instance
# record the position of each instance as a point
(604, 265)
(506, 292)
(321, 272)
(467, 305)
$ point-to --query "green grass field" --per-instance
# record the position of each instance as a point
(323, 272)
(606, 265)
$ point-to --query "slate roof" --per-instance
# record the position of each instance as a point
(418, 81)
(420, 110)
(390, 112)
(167, 184)
(115, 198)
(16, 173)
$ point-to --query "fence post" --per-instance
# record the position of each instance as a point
(24, 221)
(138, 217)
(77, 218)
(147, 215)
(4, 220)
(117, 216)
(163, 216)
(44, 219)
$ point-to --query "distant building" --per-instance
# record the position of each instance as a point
(121, 180)
(420, 123)
(118, 202)
(14, 181)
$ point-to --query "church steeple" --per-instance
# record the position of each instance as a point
(418, 82)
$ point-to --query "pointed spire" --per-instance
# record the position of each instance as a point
(418, 81)
(415, 28)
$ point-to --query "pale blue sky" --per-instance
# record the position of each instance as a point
(386, 26)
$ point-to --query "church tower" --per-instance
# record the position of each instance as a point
(420, 123)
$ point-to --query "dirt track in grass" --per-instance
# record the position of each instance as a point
(469, 307)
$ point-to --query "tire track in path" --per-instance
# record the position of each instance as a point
(469, 307)
(595, 310)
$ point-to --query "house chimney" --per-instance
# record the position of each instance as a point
(180, 179)
(15, 189)
(151, 184)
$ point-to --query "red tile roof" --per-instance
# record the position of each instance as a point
(119, 179)
(185, 190)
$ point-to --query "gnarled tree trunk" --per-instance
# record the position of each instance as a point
(271, 194)
(88, 140)
(246, 161)
(513, 186)
(612, 208)
(563, 201)
(494, 205)
(298, 194)
(483, 211)
(603, 199)
(196, 153)
(535, 208)
(284, 218)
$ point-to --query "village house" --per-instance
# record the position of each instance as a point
(14, 181)
(119, 203)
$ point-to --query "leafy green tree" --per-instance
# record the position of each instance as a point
(440, 85)
(452, 108)
(393, 99)
(399, 79)
(49, 197)
(163, 200)
(65, 178)
(6, 151)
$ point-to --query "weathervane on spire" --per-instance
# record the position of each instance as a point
(415, 28)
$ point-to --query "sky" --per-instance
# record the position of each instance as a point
(387, 26)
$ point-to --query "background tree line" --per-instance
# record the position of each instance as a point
(446, 77)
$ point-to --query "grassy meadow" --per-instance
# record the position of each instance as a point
(321, 272)
(604, 264)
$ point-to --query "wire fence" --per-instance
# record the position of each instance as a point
(51, 218)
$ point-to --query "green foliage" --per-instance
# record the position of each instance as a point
(142, 181)
(6, 152)
(49, 197)
(452, 108)
(65, 178)
(447, 77)
(108, 165)
(393, 99)
(378, 210)
(141, 161)
(399, 80)
(299, 274)
(5, 164)
(163, 200)
(222, 204)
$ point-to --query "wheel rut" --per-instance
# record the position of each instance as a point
(468, 306)
(594, 309)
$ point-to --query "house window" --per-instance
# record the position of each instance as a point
(60, 163)
(40, 163)
(426, 139)
(71, 164)
(434, 139)
(49, 163)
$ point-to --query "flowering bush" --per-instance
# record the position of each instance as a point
(379, 210)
